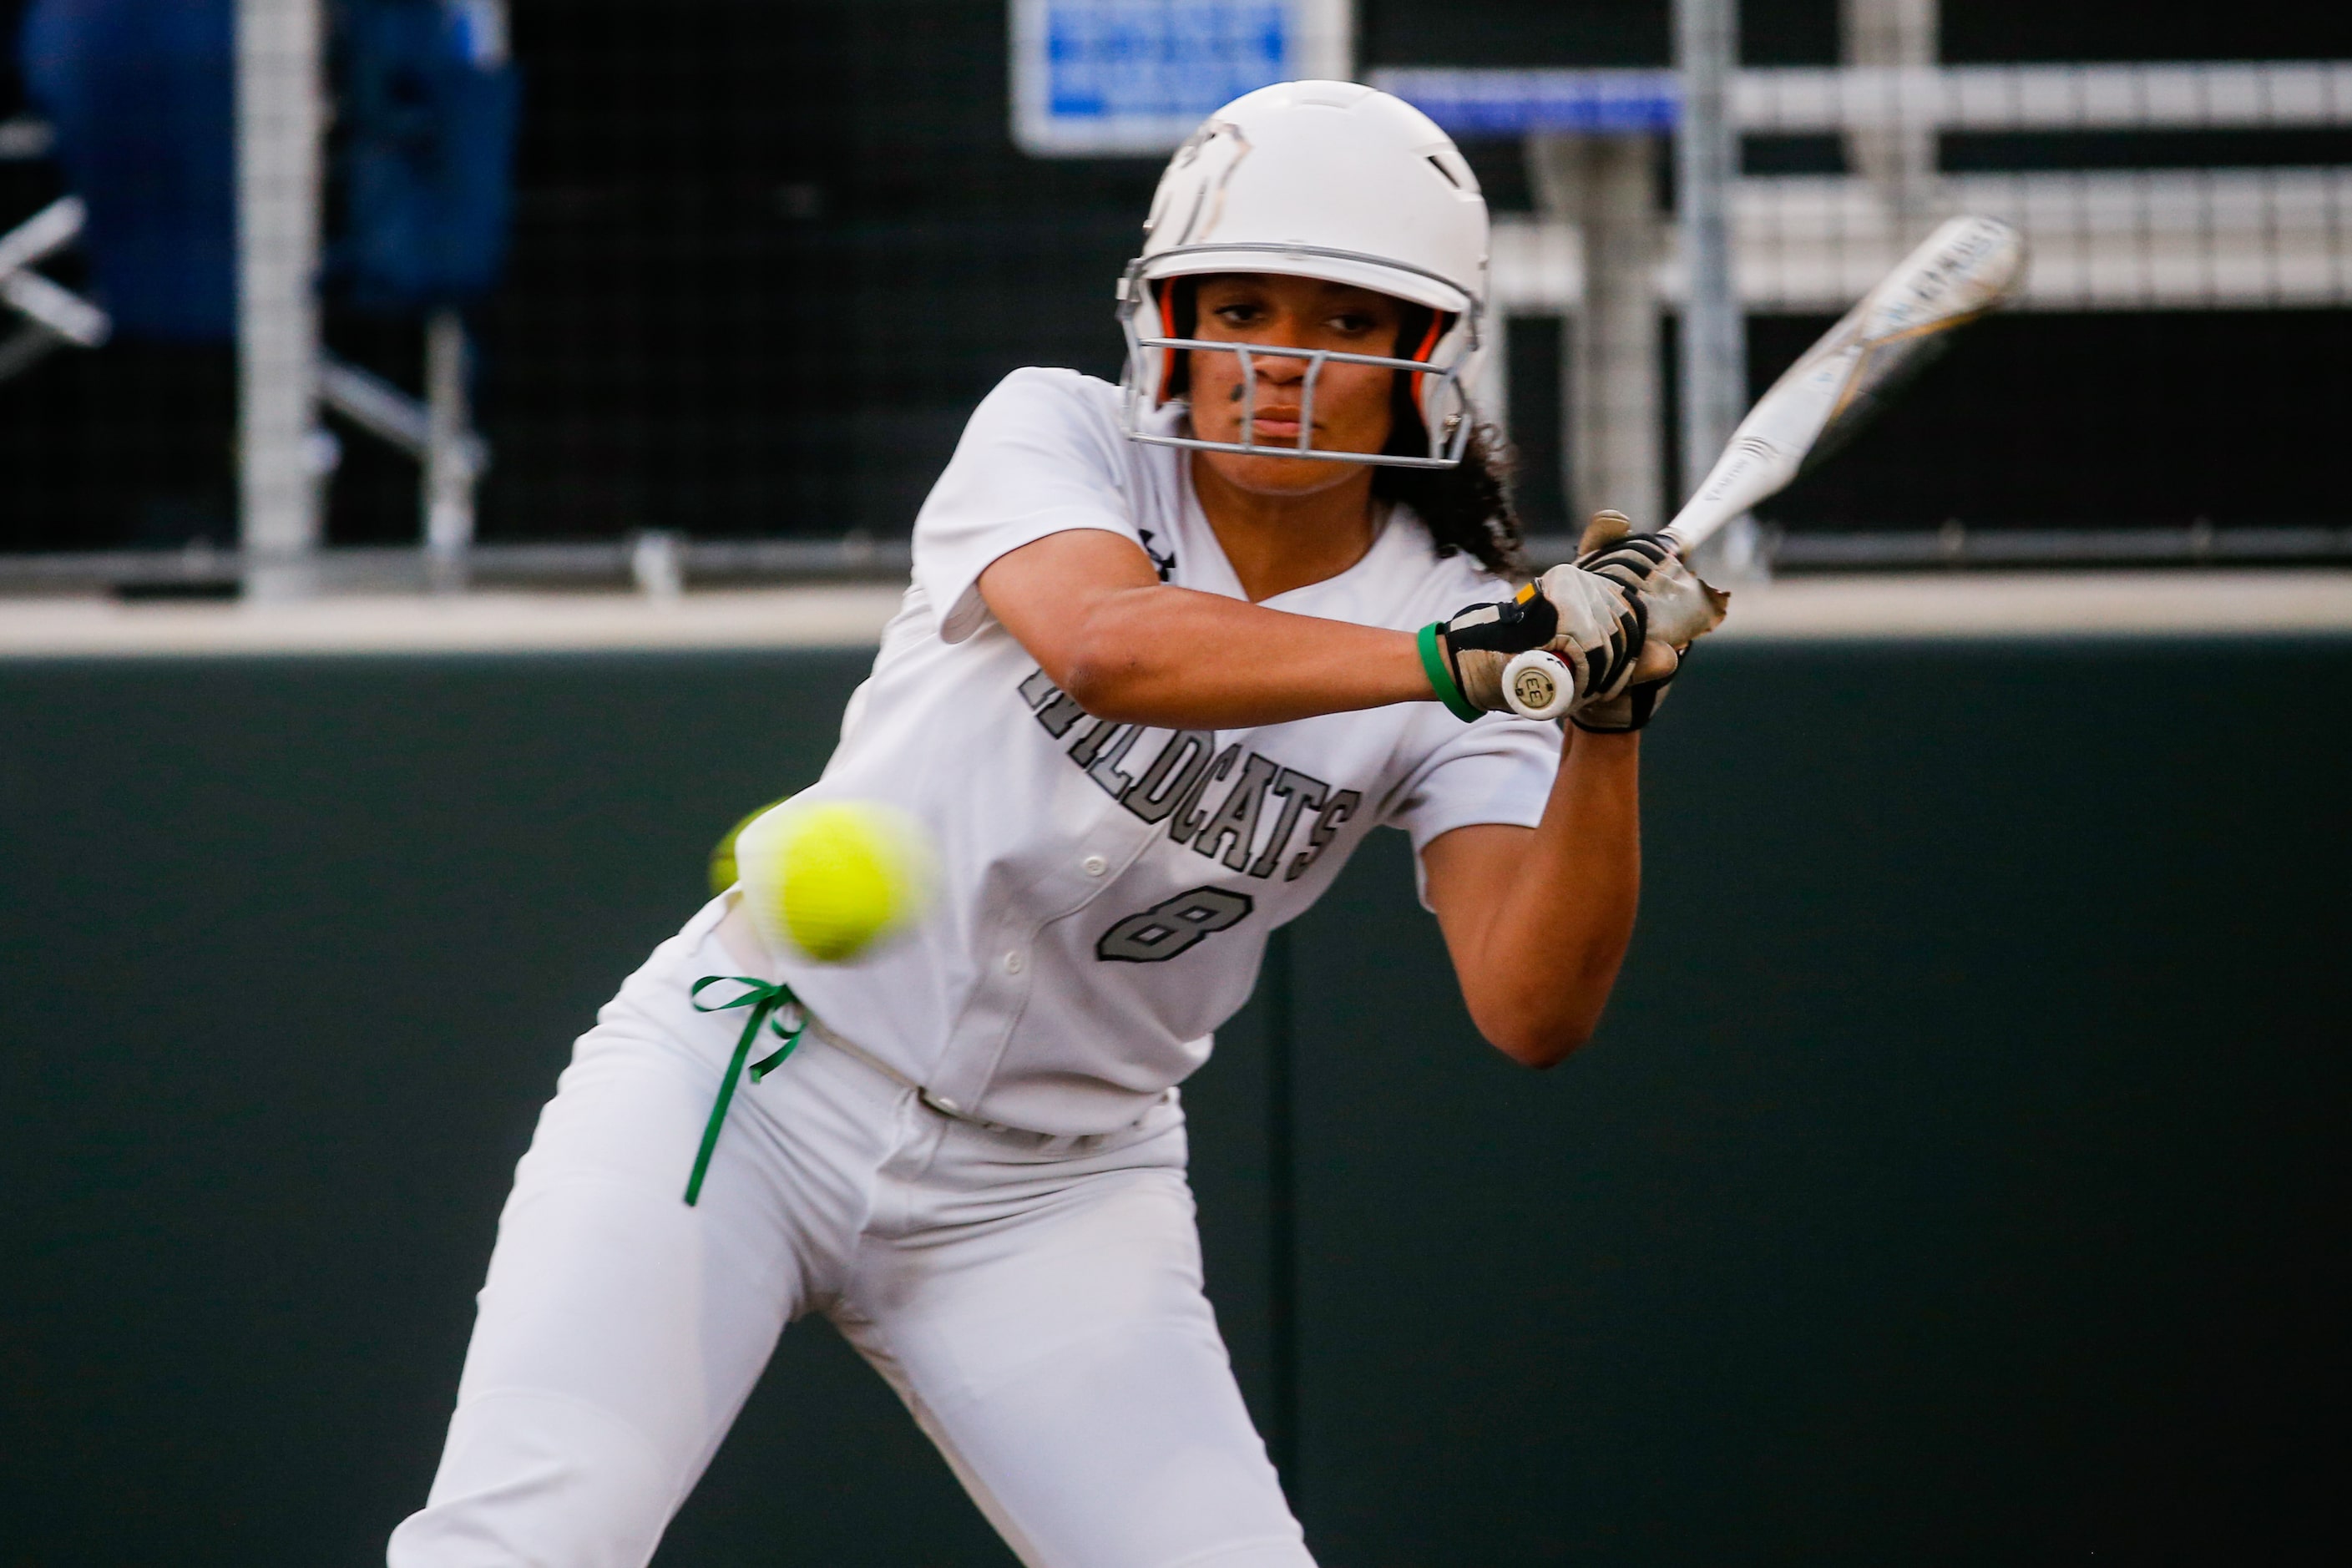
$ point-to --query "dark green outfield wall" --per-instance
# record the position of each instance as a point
(1959, 1176)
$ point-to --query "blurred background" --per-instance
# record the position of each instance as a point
(737, 271)
(457, 457)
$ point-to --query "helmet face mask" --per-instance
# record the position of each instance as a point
(1437, 367)
(1329, 180)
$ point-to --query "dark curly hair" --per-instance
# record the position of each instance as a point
(1466, 507)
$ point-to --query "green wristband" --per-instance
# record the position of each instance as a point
(1433, 664)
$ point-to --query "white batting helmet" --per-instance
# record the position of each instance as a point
(1317, 179)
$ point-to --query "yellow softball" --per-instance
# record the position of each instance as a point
(723, 872)
(831, 878)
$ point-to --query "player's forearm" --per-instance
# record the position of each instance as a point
(1562, 919)
(1174, 657)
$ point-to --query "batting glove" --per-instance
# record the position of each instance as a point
(1591, 624)
(1681, 608)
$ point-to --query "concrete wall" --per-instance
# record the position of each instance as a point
(1957, 1175)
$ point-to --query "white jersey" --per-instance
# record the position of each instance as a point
(1106, 890)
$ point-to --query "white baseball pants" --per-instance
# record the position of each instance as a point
(1035, 1301)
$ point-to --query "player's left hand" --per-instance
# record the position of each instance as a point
(1681, 607)
(1590, 623)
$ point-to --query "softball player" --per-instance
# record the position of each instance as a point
(1171, 649)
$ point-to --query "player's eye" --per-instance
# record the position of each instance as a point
(1353, 323)
(1240, 313)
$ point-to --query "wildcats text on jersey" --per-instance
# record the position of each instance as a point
(1174, 785)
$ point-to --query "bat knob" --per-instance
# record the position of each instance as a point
(1539, 685)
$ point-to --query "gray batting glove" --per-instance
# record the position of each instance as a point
(1681, 608)
(1590, 623)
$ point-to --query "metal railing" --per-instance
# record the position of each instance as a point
(1806, 100)
(661, 563)
(654, 562)
(1958, 547)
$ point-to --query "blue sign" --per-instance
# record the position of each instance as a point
(1473, 103)
(1106, 61)
(1111, 77)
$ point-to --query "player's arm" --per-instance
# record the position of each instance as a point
(1091, 609)
(1537, 919)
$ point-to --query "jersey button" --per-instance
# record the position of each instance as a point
(1094, 864)
(1012, 962)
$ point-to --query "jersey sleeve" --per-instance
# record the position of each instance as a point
(1041, 455)
(1496, 769)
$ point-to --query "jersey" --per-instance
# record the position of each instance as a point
(1105, 889)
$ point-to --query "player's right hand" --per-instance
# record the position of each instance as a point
(1590, 623)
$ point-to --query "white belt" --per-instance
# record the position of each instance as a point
(938, 1102)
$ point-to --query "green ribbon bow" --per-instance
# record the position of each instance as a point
(767, 1003)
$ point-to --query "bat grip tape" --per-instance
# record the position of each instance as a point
(1441, 675)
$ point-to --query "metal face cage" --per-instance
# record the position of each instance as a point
(1447, 440)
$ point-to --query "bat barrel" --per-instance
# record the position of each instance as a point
(1968, 266)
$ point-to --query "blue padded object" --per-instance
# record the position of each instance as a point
(426, 146)
(143, 94)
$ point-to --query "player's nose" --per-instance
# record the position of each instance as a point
(1282, 370)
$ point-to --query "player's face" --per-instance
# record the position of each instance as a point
(1352, 410)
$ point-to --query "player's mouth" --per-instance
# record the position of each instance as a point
(1276, 424)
